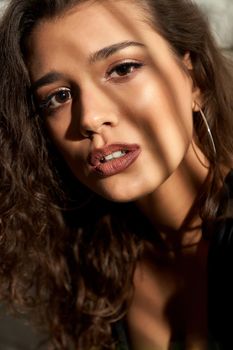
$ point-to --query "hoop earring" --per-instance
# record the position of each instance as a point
(207, 127)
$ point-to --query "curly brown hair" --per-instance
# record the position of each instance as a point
(74, 273)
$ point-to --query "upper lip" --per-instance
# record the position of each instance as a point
(96, 155)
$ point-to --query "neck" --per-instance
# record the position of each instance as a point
(169, 206)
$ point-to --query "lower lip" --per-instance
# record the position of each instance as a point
(117, 165)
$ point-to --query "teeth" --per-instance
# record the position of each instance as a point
(118, 154)
(113, 155)
(109, 157)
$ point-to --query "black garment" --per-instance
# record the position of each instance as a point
(220, 276)
(220, 285)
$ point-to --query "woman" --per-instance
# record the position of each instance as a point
(116, 139)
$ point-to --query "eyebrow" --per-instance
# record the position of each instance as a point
(110, 50)
(99, 55)
(47, 79)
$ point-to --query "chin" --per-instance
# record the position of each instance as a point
(119, 197)
(124, 194)
(128, 188)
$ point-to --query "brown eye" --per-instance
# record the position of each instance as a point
(59, 97)
(56, 99)
(62, 96)
(124, 69)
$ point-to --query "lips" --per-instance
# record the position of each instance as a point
(105, 165)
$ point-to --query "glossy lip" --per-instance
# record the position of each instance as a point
(113, 166)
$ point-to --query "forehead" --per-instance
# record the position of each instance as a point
(62, 42)
(91, 25)
(95, 20)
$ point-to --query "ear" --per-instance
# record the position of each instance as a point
(196, 92)
(187, 61)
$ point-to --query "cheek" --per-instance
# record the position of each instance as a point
(163, 112)
(163, 116)
(71, 149)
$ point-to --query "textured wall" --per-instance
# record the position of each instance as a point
(220, 13)
(2, 4)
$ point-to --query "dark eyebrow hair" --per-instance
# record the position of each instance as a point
(110, 50)
(101, 54)
(47, 79)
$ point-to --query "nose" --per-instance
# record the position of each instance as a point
(98, 112)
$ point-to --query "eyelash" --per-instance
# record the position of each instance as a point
(45, 104)
(127, 65)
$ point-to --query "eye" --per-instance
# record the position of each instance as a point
(123, 70)
(56, 99)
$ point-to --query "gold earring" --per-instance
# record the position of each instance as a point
(206, 125)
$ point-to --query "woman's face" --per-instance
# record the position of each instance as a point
(116, 102)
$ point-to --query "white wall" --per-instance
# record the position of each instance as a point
(220, 13)
(2, 4)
